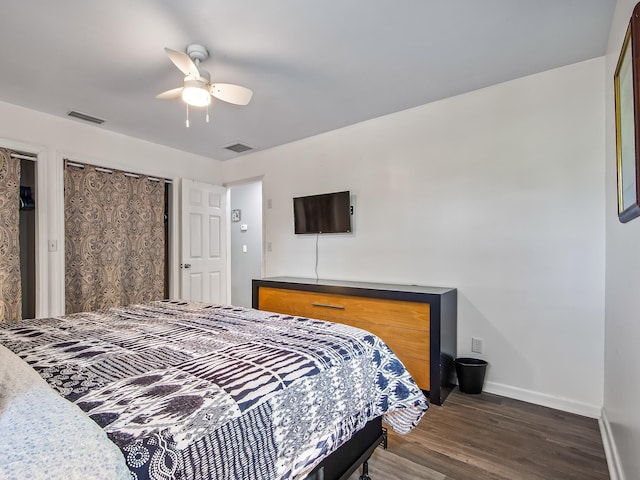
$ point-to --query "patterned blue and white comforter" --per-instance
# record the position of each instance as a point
(190, 390)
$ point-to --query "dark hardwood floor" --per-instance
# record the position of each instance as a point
(488, 437)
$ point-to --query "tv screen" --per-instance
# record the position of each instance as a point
(327, 213)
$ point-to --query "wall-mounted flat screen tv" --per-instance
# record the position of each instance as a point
(326, 213)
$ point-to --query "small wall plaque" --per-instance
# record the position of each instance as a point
(235, 215)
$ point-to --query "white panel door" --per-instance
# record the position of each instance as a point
(203, 259)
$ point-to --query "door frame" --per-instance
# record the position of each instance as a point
(230, 186)
(55, 282)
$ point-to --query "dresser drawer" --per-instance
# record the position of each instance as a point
(407, 343)
(403, 326)
(334, 307)
(417, 322)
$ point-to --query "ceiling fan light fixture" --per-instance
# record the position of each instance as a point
(197, 89)
(196, 93)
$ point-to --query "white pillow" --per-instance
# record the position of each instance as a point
(42, 435)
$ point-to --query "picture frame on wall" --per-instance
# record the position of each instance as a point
(627, 109)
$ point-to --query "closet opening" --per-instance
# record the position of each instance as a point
(27, 222)
(167, 237)
(127, 216)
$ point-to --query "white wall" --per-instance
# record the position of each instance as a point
(54, 139)
(622, 325)
(498, 192)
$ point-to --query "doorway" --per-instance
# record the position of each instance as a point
(28, 237)
(246, 239)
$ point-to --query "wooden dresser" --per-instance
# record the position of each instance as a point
(418, 323)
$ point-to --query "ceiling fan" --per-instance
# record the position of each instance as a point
(197, 89)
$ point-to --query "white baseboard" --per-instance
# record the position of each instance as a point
(559, 403)
(610, 450)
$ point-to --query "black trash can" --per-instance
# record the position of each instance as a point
(470, 373)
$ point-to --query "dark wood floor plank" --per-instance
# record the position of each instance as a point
(490, 437)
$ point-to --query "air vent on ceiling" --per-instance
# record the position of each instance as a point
(238, 147)
(85, 117)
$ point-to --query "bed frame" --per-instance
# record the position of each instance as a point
(357, 451)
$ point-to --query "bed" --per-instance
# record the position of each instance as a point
(189, 390)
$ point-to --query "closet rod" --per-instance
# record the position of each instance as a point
(107, 170)
(22, 156)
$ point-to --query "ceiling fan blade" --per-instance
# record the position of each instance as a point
(170, 94)
(183, 62)
(231, 93)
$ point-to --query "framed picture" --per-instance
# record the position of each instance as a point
(627, 91)
(235, 215)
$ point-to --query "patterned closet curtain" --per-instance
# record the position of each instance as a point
(114, 238)
(10, 279)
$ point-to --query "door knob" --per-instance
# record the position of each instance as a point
(185, 265)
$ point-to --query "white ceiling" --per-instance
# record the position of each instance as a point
(313, 66)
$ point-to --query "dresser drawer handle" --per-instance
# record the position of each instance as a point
(327, 305)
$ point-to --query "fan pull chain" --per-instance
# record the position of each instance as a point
(187, 115)
(207, 117)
